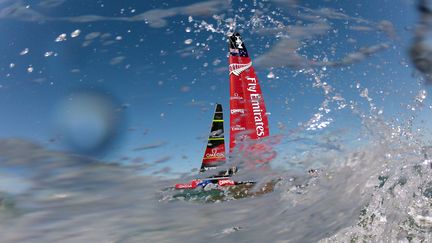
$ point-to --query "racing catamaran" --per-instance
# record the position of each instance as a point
(248, 120)
(214, 156)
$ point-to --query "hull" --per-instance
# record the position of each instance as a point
(223, 193)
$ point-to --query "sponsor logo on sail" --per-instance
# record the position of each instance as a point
(238, 42)
(215, 154)
(217, 134)
(236, 98)
(255, 99)
(237, 128)
(236, 111)
(238, 68)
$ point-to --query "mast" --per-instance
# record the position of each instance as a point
(248, 119)
(214, 154)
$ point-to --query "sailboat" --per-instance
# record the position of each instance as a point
(214, 157)
(248, 122)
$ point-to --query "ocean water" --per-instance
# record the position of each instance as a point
(104, 106)
(379, 192)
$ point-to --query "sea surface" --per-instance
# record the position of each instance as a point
(379, 192)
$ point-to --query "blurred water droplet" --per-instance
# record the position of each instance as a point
(48, 53)
(88, 121)
(188, 41)
(421, 48)
(75, 33)
(92, 35)
(24, 52)
(216, 62)
(185, 89)
(270, 75)
(61, 37)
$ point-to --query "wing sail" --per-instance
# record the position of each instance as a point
(248, 119)
(214, 154)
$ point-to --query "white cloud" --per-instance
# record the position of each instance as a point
(298, 31)
(17, 10)
(283, 54)
(156, 18)
(357, 56)
(51, 3)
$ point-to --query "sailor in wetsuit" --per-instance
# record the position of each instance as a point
(226, 173)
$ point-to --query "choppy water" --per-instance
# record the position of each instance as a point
(381, 191)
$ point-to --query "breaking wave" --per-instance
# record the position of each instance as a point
(378, 191)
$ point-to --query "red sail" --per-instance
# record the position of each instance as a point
(248, 119)
(214, 154)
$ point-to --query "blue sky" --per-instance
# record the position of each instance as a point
(165, 68)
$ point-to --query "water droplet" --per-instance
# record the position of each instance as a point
(24, 52)
(270, 75)
(188, 41)
(61, 37)
(92, 35)
(30, 69)
(188, 29)
(216, 62)
(76, 33)
(421, 96)
(185, 89)
(364, 93)
(48, 53)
